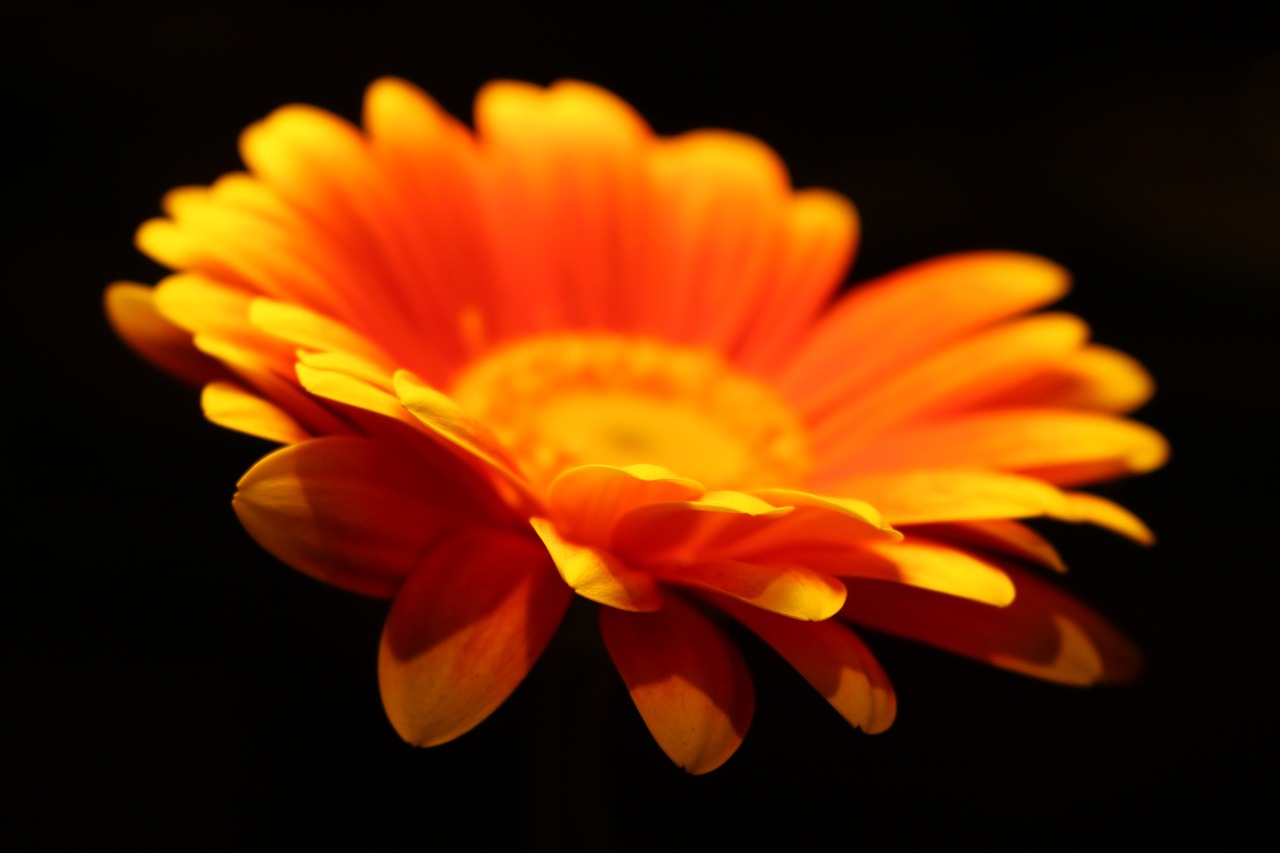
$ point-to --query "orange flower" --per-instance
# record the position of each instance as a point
(562, 355)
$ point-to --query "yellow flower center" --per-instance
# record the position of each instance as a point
(563, 400)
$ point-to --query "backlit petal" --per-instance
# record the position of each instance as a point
(1043, 633)
(831, 658)
(588, 500)
(464, 630)
(688, 681)
(229, 405)
(884, 324)
(795, 591)
(132, 312)
(1059, 446)
(1097, 377)
(359, 513)
(925, 564)
(598, 575)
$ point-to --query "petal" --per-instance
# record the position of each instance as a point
(231, 406)
(956, 377)
(1008, 538)
(1057, 445)
(464, 631)
(794, 591)
(733, 526)
(587, 501)
(133, 315)
(303, 327)
(568, 165)
(1097, 377)
(359, 513)
(688, 681)
(921, 563)
(597, 575)
(716, 232)
(882, 325)
(1097, 510)
(820, 234)
(1043, 633)
(831, 658)
(921, 497)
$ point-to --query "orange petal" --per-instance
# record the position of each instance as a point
(303, 327)
(956, 377)
(921, 497)
(725, 525)
(133, 315)
(231, 406)
(688, 681)
(356, 512)
(1008, 538)
(820, 233)
(1057, 445)
(587, 501)
(716, 227)
(567, 164)
(257, 372)
(597, 575)
(464, 631)
(924, 564)
(831, 658)
(1097, 377)
(881, 325)
(1043, 633)
(435, 173)
(1097, 510)
(794, 591)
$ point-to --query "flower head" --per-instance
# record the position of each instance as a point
(561, 355)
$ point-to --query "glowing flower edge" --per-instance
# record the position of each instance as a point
(562, 355)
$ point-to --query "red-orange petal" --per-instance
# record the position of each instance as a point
(882, 325)
(688, 681)
(464, 631)
(358, 513)
(831, 658)
(1044, 632)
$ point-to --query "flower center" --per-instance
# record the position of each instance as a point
(563, 400)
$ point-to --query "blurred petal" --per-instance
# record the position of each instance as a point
(688, 681)
(464, 630)
(231, 406)
(134, 317)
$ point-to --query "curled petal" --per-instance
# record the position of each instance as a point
(588, 500)
(597, 575)
(831, 658)
(358, 513)
(746, 526)
(1109, 514)
(794, 591)
(463, 632)
(688, 681)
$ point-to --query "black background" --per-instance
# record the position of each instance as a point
(171, 685)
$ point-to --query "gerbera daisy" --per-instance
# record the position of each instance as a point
(560, 354)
